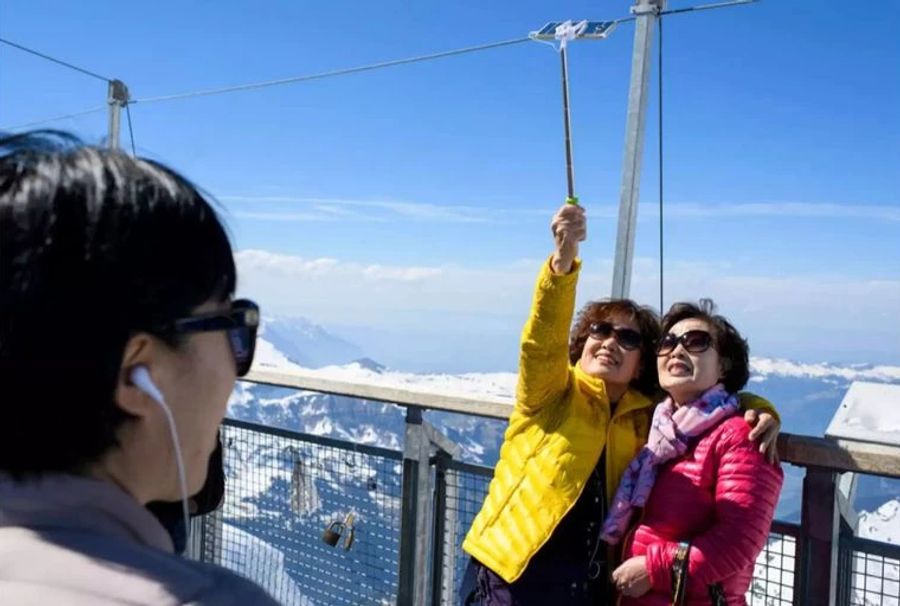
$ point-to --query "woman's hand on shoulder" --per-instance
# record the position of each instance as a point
(764, 428)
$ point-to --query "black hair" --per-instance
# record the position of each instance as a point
(734, 351)
(96, 247)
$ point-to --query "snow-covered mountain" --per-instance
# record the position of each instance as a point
(306, 343)
(761, 368)
(372, 423)
(806, 395)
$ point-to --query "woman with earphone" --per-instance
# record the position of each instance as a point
(119, 347)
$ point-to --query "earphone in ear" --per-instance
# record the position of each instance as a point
(140, 376)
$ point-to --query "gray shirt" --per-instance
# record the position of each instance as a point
(77, 541)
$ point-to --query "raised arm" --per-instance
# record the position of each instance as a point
(544, 351)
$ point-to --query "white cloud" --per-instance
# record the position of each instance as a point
(811, 318)
(302, 209)
(251, 261)
(293, 217)
(877, 212)
(256, 262)
(272, 208)
(378, 295)
(403, 274)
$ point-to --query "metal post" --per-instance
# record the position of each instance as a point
(439, 544)
(451, 528)
(446, 516)
(196, 534)
(847, 484)
(647, 12)
(415, 512)
(208, 545)
(819, 528)
(117, 97)
(845, 572)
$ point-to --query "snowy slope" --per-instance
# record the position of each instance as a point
(883, 524)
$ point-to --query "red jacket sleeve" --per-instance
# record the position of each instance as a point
(747, 489)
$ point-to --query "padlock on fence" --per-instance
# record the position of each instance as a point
(335, 530)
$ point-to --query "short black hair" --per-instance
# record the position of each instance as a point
(734, 351)
(96, 246)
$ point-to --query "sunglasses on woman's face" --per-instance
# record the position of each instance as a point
(693, 341)
(626, 337)
(240, 322)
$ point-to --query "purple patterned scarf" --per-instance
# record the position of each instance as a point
(670, 432)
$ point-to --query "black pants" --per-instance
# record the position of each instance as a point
(483, 587)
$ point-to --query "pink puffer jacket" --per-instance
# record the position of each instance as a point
(720, 495)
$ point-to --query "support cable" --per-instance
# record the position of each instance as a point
(659, 76)
(55, 60)
(130, 129)
(705, 7)
(93, 110)
(333, 73)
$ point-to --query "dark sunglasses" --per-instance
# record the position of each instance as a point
(629, 339)
(240, 322)
(693, 341)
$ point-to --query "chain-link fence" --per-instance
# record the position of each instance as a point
(287, 492)
(466, 487)
(775, 572)
(870, 572)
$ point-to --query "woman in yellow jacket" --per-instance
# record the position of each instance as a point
(583, 408)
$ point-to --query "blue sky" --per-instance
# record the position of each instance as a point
(407, 208)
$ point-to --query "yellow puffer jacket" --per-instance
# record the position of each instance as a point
(556, 433)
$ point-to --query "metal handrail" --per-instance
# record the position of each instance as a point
(367, 449)
(870, 546)
(494, 408)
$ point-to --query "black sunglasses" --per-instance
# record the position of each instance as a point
(241, 322)
(693, 341)
(626, 337)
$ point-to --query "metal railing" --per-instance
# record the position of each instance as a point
(409, 512)
(285, 490)
(776, 570)
(869, 572)
(466, 485)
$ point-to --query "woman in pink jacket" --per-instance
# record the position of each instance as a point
(706, 494)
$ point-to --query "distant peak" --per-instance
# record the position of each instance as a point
(370, 364)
